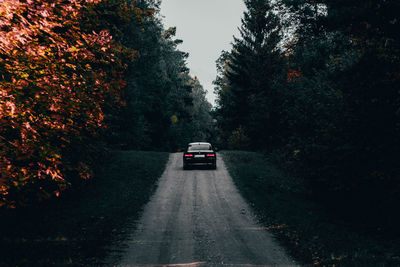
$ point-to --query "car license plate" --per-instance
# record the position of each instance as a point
(199, 156)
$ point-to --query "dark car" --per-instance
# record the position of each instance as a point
(199, 154)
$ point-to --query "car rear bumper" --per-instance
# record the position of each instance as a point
(199, 161)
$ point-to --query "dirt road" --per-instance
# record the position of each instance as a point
(198, 218)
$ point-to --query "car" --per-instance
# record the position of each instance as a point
(199, 154)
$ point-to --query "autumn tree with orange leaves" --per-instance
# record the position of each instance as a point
(57, 78)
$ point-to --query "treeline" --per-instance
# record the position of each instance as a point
(165, 107)
(80, 77)
(316, 83)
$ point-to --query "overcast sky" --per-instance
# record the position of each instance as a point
(206, 28)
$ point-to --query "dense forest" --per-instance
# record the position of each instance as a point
(81, 78)
(315, 84)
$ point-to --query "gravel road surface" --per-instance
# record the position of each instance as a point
(198, 218)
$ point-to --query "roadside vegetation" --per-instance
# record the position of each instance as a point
(81, 77)
(314, 84)
(312, 233)
(78, 79)
(78, 228)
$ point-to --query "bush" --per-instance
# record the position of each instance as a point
(238, 140)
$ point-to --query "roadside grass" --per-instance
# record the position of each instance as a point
(310, 232)
(77, 229)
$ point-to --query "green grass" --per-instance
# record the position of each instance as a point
(77, 229)
(309, 231)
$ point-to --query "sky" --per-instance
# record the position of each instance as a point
(206, 28)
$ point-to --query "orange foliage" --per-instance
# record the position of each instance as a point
(293, 74)
(55, 80)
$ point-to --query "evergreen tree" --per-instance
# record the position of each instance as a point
(159, 102)
(201, 112)
(254, 64)
(347, 95)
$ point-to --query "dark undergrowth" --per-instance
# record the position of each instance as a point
(79, 228)
(310, 231)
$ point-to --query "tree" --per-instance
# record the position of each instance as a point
(57, 78)
(348, 130)
(253, 66)
(330, 105)
(158, 114)
(201, 113)
(79, 76)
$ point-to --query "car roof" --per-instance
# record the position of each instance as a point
(199, 143)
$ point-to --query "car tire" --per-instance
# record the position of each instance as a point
(214, 166)
(185, 167)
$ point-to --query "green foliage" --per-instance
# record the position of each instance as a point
(248, 74)
(312, 234)
(78, 228)
(352, 139)
(158, 89)
(201, 124)
(321, 91)
(79, 77)
(238, 140)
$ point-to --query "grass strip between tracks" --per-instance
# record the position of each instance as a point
(76, 229)
(310, 233)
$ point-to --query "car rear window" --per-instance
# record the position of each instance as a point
(199, 147)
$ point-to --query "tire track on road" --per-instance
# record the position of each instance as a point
(198, 217)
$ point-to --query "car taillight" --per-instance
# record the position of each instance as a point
(210, 155)
(188, 155)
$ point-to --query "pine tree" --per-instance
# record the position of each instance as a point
(254, 64)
